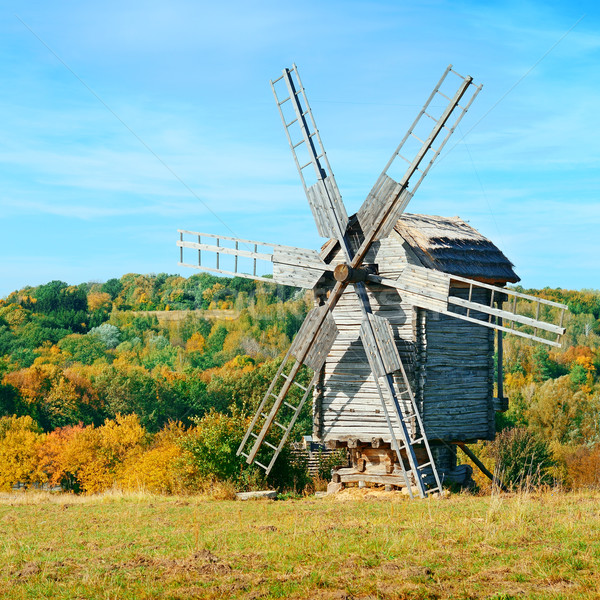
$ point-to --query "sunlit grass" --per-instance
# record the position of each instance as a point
(360, 544)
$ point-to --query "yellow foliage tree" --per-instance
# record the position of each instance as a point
(99, 301)
(20, 439)
(155, 469)
(196, 343)
(91, 458)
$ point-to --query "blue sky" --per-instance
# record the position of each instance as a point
(82, 198)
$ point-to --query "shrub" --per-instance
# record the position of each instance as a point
(209, 450)
(583, 467)
(522, 460)
(209, 455)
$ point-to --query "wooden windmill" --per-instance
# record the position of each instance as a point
(400, 343)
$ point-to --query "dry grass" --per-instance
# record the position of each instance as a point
(359, 544)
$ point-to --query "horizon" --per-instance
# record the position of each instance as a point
(124, 123)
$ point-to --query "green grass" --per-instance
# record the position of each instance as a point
(358, 545)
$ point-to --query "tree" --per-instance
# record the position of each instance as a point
(20, 438)
(108, 334)
(85, 349)
(113, 287)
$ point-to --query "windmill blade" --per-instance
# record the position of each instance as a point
(310, 347)
(388, 198)
(486, 314)
(315, 338)
(377, 333)
(309, 154)
(290, 266)
(430, 289)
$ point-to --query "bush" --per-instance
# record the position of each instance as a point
(522, 460)
(209, 452)
(209, 456)
(583, 467)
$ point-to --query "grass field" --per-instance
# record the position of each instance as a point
(358, 544)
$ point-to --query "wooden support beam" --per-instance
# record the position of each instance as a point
(481, 466)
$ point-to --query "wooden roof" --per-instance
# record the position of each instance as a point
(450, 245)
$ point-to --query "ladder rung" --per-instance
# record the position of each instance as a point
(303, 141)
(457, 74)
(269, 444)
(274, 395)
(265, 415)
(291, 123)
(427, 464)
(417, 137)
(253, 435)
(280, 425)
(428, 115)
(244, 454)
(283, 101)
(261, 465)
(294, 408)
(300, 386)
(306, 165)
(404, 158)
(442, 94)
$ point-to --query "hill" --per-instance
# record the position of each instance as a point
(197, 354)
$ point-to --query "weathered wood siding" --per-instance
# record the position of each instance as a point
(348, 406)
(456, 375)
(448, 361)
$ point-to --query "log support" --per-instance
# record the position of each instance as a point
(374, 462)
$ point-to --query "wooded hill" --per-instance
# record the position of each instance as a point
(80, 358)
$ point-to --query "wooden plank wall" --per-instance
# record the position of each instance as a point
(350, 406)
(449, 362)
(456, 374)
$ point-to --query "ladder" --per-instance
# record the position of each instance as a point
(400, 410)
(412, 422)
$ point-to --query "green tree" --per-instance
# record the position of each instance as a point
(85, 349)
(112, 287)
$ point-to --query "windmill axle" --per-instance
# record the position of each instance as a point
(346, 274)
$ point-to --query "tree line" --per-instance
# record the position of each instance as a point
(79, 359)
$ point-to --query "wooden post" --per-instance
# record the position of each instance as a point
(500, 369)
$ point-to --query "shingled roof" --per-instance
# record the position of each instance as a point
(450, 245)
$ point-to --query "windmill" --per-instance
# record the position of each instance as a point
(358, 278)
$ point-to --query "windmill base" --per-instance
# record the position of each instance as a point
(376, 463)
